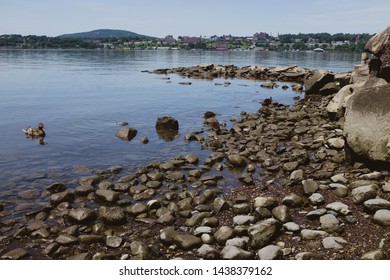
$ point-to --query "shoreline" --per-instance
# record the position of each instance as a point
(291, 201)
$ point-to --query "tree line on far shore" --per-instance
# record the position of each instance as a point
(339, 42)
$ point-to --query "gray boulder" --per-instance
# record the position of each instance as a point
(379, 46)
(366, 126)
(316, 80)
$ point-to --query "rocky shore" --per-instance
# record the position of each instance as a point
(281, 183)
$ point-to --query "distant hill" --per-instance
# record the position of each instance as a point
(104, 33)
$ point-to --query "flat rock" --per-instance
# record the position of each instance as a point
(82, 215)
(265, 202)
(243, 219)
(240, 242)
(235, 253)
(114, 241)
(292, 200)
(270, 252)
(339, 207)
(376, 204)
(66, 240)
(16, 254)
(187, 241)
(333, 242)
(291, 226)
(310, 234)
(60, 197)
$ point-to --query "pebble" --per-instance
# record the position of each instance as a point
(309, 186)
(223, 234)
(310, 234)
(339, 207)
(207, 251)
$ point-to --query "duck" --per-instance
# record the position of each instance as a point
(35, 132)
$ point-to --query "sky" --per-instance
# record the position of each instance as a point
(159, 18)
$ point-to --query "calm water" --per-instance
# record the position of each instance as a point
(81, 95)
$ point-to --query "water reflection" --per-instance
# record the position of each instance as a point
(167, 135)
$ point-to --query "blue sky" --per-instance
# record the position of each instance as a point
(200, 17)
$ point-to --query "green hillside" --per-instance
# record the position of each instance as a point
(103, 34)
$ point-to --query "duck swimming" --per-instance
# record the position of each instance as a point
(36, 131)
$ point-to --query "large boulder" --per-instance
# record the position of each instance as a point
(367, 125)
(314, 81)
(379, 46)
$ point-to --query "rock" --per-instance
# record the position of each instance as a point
(137, 209)
(92, 180)
(361, 194)
(336, 107)
(308, 256)
(112, 215)
(382, 217)
(330, 223)
(107, 195)
(293, 200)
(339, 189)
(374, 255)
(243, 219)
(282, 214)
(82, 215)
(202, 230)
(223, 234)
(309, 186)
(114, 241)
(316, 199)
(197, 218)
(235, 253)
(88, 239)
(56, 187)
(333, 242)
(263, 232)
(339, 178)
(167, 123)
(237, 160)
(315, 80)
(208, 252)
(379, 46)
(309, 234)
(139, 250)
(60, 197)
(337, 143)
(192, 158)
(339, 207)
(291, 226)
(1, 207)
(296, 175)
(220, 205)
(144, 140)
(240, 242)
(16, 254)
(366, 122)
(126, 133)
(265, 202)
(315, 214)
(167, 235)
(376, 204)
(270, 252)
(187, 241)
(66, 240)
